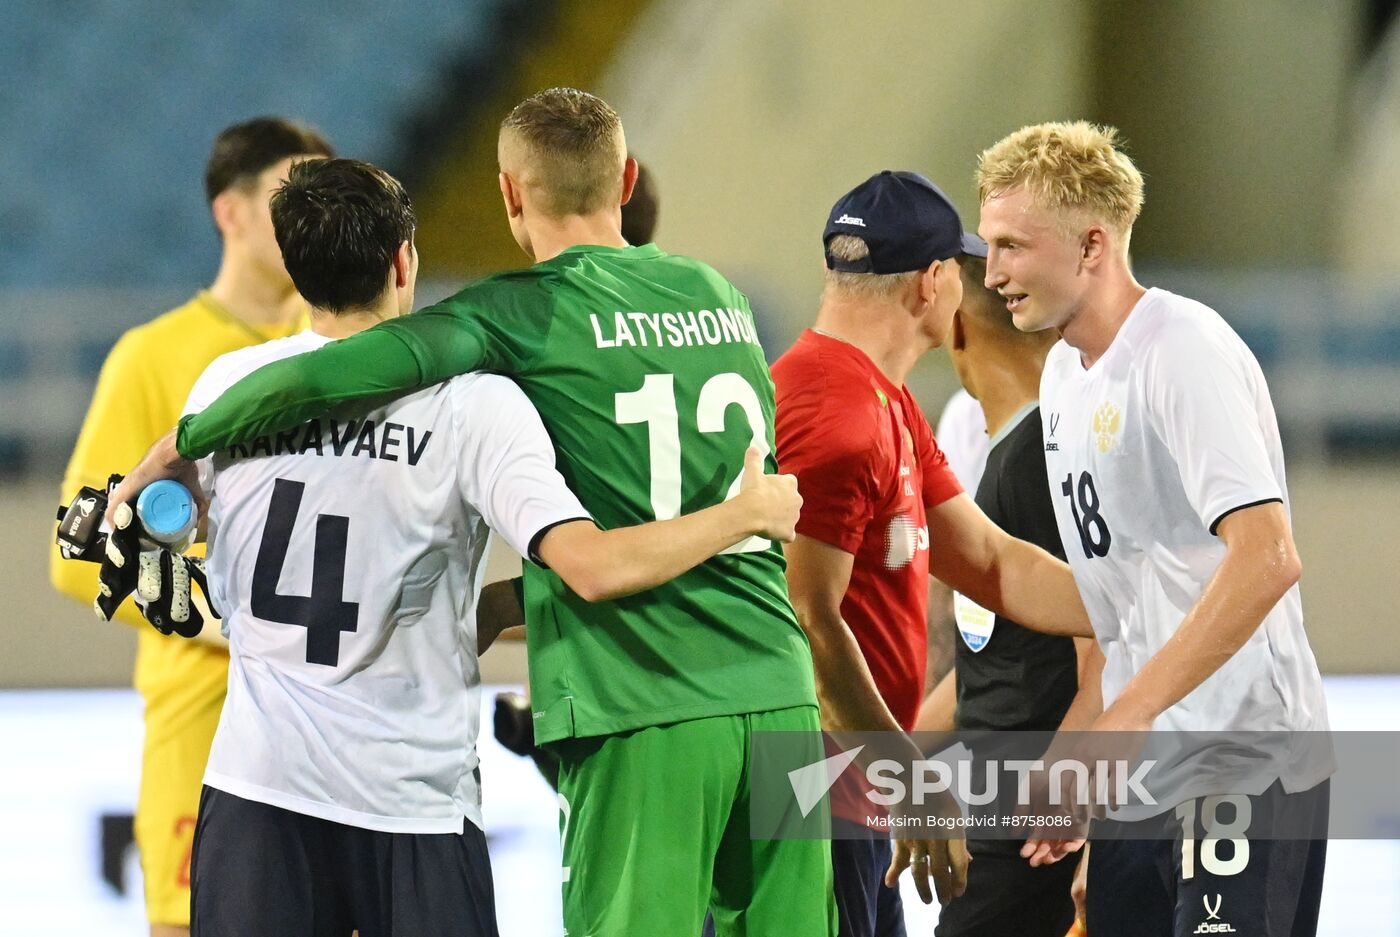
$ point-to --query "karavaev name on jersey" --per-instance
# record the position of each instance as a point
(347, 558)
(358, 439)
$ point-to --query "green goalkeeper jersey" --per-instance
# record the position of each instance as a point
(647, 371)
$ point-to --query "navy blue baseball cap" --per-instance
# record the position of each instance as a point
(905, 220)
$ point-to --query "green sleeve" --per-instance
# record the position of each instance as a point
(351, 377)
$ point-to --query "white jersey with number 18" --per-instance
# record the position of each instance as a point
(347, 558)
(1170, 431)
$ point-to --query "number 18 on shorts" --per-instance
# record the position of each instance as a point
(1213, 878)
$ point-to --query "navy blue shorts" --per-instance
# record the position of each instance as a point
(258, 869)
(864, 906)
(1226, 885)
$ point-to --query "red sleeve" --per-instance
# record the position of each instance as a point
(940, 483)
(830, 457)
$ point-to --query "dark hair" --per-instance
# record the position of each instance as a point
(989, 307)
(339, 223)
(639, 214)
(974, 273)
(243, 151)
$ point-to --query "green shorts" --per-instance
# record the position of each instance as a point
(655, 828)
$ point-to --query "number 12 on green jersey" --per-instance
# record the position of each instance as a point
(654, 404)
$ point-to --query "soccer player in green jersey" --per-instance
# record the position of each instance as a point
(647, 372)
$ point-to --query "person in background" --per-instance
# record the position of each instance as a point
(139, 394)
(962, 435)
(882, 510)
(1005, 676)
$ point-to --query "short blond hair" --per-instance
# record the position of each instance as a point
(863, 285)
(1071, 166)
(573, 144)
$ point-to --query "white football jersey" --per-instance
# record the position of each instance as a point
(1147, 451)
(962, 435)
(347, 559)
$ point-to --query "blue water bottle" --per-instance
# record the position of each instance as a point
(167, 513)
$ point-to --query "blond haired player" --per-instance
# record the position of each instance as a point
(1164, 463)
(140, 393)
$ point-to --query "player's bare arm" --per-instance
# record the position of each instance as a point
(1086, 707)
(1261, 564)
(1080, 889)
(162, 460)
(499, 615)
(999, 572)
(818, 576)
(608, 564)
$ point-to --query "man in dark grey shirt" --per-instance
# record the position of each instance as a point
(1006, 677)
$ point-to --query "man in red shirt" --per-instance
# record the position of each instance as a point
(881, 508)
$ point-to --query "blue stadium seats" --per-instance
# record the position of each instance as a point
(108, 119)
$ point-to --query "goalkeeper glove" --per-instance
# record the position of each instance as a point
(161, 579)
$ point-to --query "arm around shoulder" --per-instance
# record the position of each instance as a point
(358, 371)
(601, 565)
(508, 473)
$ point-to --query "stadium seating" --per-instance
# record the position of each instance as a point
(103, 221)
(92, 199)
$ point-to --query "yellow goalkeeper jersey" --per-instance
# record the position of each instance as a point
(139, 396)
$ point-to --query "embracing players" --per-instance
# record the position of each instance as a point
(342, 789)
(646, 370)
(1164, 463)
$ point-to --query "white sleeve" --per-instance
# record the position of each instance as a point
(1203, 388)
(507, 470)
(212, 382)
